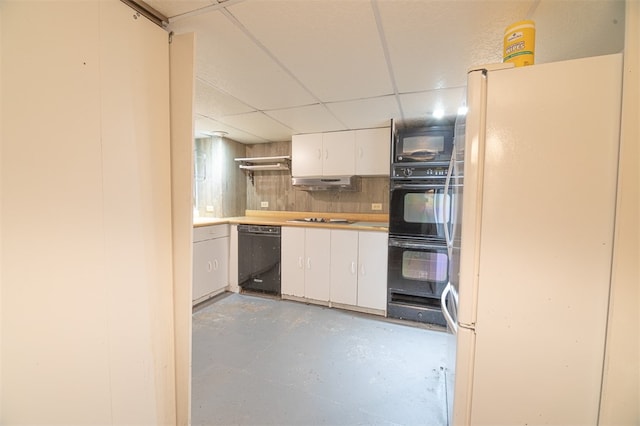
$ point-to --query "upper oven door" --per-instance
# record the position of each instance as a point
(419, 210)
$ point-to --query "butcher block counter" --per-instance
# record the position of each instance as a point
(356, 221)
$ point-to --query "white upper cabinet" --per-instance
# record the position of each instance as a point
(323, 154)
(353, 152)
(339, 154)
(373, 152)
(306, 155)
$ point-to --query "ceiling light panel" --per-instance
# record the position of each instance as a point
(332, 47)
(227, 59)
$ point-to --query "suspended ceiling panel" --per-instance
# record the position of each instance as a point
(213, 103)
(308, 119)
(227, 58)
(366, 113)
(435, 56)
(332, 47)
(268, 69)
(565, 31)
(260, 124)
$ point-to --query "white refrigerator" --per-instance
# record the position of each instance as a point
(535, 253)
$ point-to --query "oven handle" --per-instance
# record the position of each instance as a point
(399, 185)
(446, 204)
(417, 185)
(413, 244)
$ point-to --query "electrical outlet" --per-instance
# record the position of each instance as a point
(376, 206)
(209, 208)
(264, 204)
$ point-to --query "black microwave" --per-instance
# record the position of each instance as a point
(424, 144)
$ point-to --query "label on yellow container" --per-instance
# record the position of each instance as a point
(519, 43)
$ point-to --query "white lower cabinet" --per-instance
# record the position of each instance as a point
(372, 270)
(359, 269)
(210, 261)
(344, 267)
(305, 263)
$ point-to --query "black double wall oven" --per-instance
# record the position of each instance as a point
(421, 206)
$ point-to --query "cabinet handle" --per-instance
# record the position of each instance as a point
(300, 264)
(326, 154)
(209, 266)
(319, 153)
(215, 264)
(353, 268)
(308, 263)
(361, 152)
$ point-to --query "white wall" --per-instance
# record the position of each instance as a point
(87, 302)
(621, 396)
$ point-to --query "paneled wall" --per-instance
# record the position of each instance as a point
(274, 187)
(86, 278)
(219, 185)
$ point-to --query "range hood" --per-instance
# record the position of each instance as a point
(326, 183)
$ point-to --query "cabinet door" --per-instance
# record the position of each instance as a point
(344, 267)
(372, 271)
(339, 153)
(306, 155)
(203, 264)
(220, 255)
(292, 261)
(373, 151)
(317, 246)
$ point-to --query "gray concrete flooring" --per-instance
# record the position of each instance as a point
(262, 361)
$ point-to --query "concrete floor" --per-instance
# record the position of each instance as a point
(262, 361)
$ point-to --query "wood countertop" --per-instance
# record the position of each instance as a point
(356, 221)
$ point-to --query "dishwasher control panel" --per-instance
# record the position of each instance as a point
(259, 229)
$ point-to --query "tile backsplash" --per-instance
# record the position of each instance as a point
(275, 189)
(222, 189)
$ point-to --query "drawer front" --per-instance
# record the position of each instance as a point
(203, 233)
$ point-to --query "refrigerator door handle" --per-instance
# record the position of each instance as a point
(443, 302)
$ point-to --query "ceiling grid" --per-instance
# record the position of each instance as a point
(268, 69)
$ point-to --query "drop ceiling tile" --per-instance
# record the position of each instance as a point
(307, 119)
(260, 124)
(227, 59)
(366, 113)
(578, 29)
(213, 103)
(205, 126)
(332, 47)
(420, 105)
(171, 8)
(432, 44)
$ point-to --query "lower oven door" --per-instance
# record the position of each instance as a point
(419, 210)
(418, 272)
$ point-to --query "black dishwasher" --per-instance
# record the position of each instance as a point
(259, 258)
